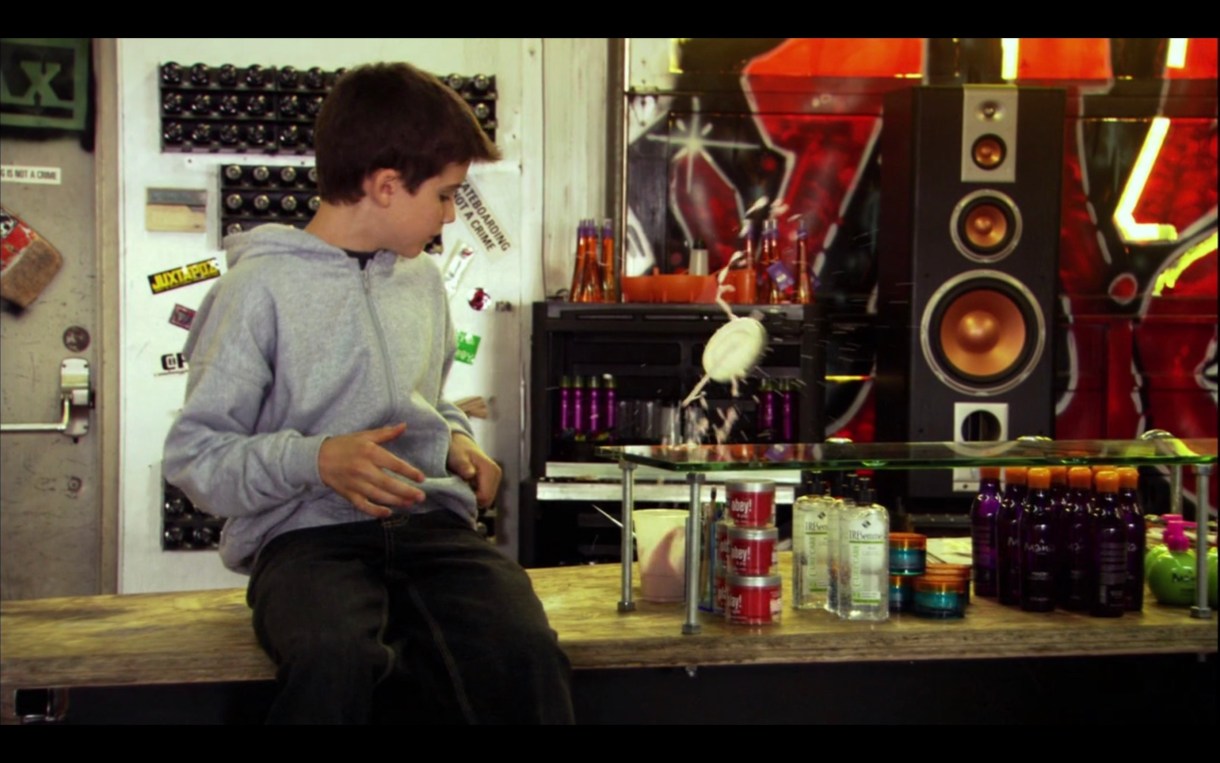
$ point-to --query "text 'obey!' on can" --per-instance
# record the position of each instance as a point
(754, 600)
(753, 550)
(751, 502)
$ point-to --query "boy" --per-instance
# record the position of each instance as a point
(314, 422)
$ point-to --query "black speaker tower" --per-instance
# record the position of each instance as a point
(971, 181)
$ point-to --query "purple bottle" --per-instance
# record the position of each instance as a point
(565, 407)
(594, 394)
(578, 408)
(766, 411)
(1133, 517)
(1039, 536)
(1076, 557)
(1008, 539)
(787, 397)
(1109, 533)
(983, 531)
(611, 425)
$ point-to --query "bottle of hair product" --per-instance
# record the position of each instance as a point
(766, 410)
(787, 410)
(1038, 536)
(565, 408)
(609, 263)
(1008, 539)
(1172, 576)
(578, 408)
(836, 559)
(983, 513)
(593, 409)
(1156, 552)
(1076, 578)
(592, 278)
(1059, 487)
(749, 284)
(576, 290)
(1109, 535)
(804, 280)
(811, 516)
(868, 533)
(610, 419)
(1133, 518)
(1211, 578)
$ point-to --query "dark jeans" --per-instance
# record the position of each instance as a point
(413, 618)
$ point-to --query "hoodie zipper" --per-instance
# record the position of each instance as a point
(391, 387)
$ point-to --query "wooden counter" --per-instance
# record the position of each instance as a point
(206, 637)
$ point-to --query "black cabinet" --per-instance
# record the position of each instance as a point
(651, 356)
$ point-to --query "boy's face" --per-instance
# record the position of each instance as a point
(418, 217)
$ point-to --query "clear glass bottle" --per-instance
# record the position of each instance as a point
(868, 548)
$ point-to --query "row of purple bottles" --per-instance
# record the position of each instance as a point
(1044, 544)
(587, 407)
(777, 410)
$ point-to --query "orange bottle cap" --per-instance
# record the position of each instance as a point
(1107, 482)
(989, 472)
(1059, 475)
(1080, 476)
(1129, 477)
(1039, 478)
(1016, 474)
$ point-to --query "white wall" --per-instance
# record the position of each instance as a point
(513, 189)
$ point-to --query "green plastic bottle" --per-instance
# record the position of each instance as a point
(1156, 552)
(1172, 576)
(1211, 577)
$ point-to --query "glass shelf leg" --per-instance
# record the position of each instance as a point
(1201, 610)
(694, 535)
(627, 552)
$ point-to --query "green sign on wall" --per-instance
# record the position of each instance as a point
(44, 82)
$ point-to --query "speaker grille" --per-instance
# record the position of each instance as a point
(986, 226)
(982, 332)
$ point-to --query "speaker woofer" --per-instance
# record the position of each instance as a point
(982, 332)
(985, 226)
(988, 152)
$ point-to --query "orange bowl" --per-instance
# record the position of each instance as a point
(679, 289)
(744, 287)
(637, 288)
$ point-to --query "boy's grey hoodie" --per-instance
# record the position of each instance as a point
(293, 344)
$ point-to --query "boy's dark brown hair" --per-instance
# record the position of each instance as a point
(392, 116)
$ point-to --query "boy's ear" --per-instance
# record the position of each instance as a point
(381, 185)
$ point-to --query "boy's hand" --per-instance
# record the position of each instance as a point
(352, 465)
(469, 462)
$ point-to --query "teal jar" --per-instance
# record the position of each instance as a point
(908, 553)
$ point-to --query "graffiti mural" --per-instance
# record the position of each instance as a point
(733, 133)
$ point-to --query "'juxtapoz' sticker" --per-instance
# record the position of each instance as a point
(184, 276)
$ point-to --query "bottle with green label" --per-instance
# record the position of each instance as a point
(868, 558)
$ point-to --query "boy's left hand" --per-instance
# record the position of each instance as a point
(469, 462)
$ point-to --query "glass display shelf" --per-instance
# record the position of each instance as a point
(696, 461)
(831, 456)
